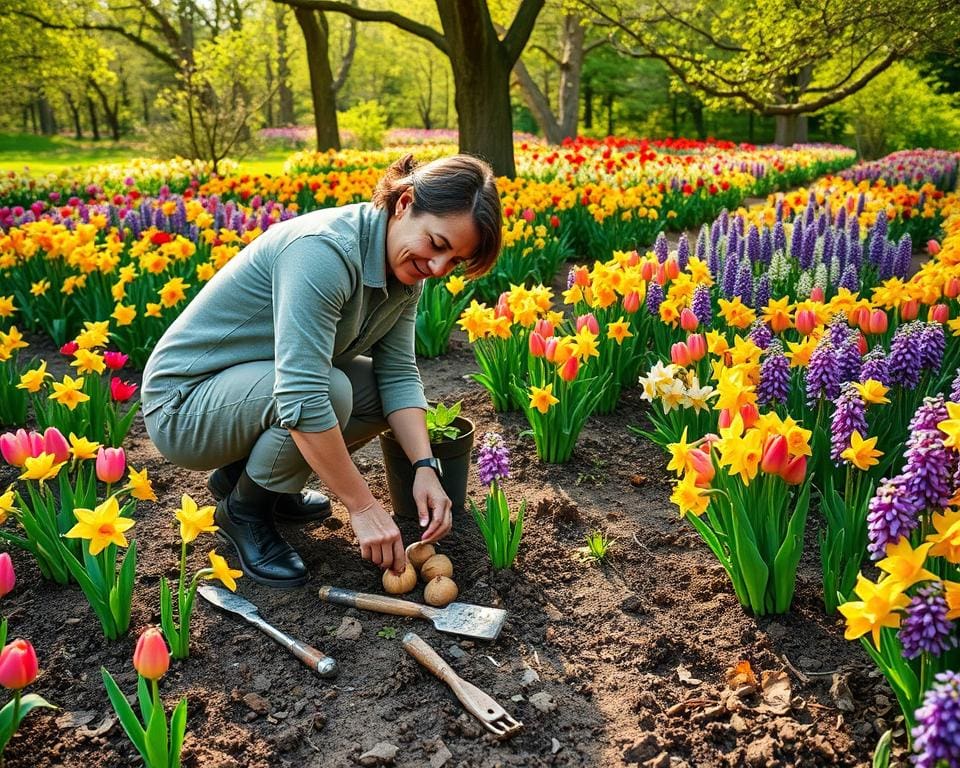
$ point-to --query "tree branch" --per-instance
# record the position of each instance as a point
(519, 33)
(365, 14)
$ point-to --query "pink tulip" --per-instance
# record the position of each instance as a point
(528, 215)
(878, 321)
(688, 320)
(503, 306)
(702, 467)
(54, 442)
(111, 464)
(933, 247)
(121, 391)
(775, 455)
(550, 349)
(588, 321)
(806, 321)
(544, 328)
(538, 345)
(115, 360)
(646, 271)
(952, 289)
(680, 354)
(631, 302)
(15, 447)
(18, 665)
(817, 293)
(909, 310)
(633, 259)
(151, 657)
(939, 313)
(697, 345)
(671, 269)
(8, 579)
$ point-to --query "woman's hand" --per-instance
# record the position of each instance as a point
(379, 537)
(433, 505)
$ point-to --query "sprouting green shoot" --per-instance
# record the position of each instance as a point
(598, 547)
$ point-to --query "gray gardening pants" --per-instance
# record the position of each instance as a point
(233, 415)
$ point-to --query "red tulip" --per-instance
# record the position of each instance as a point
(775, 455)
(646, 271)
(550, 349)
(795, 471)
(151, 657)
(111, 464)
(570, 369)
(631, 302)
(8, 579)
(671, 269)
(18, 665)
(878, 321)
(528, 215)
(749, 414)
(54, 442)
(697, 345)
(688, 320)
(909, 310)
(939, 313)
(862, 344)
(69, 348)
(724, 419)
(554, 221)
(115, 360)
(503, 306)
(121, 391)
(633, 259)
(952, 289)
(933, 247)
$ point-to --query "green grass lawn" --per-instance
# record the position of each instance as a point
(51, 154)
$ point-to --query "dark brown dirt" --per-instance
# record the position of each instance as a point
(634, 653)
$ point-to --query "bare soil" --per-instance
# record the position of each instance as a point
(633, 654)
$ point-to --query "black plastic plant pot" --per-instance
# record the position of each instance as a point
(454, 457)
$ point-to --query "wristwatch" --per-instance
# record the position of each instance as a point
(433, 463)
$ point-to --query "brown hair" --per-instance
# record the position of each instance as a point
(448, 186)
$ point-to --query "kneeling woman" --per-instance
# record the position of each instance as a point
(301, 349)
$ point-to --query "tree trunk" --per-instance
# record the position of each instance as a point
(94, 125)
(608, 103)
(145, 106)
(790, 130)
(74, 114)
(268, 104)
(587, 106)
(571, 68)
(48, 124)
(110, 112)
(695, 108)
(538, 105)
(481, 77)
(284, 91)
(315, 35)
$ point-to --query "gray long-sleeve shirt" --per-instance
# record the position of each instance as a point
(308, 293)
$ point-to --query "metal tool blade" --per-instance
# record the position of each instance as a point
(471, 620)
(228, 601)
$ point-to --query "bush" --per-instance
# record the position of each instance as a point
(363, 126)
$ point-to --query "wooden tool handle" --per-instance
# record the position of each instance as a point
(417, 647)
(369, 602)
(318, 661)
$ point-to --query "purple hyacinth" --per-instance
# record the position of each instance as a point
(932, 345)
(828, 251)
(904, 252)
(700, 305)
(855, 253)
(493, 459)
(762, 296)
(571, 278)
(823, 376)
(905, 359)
(713, 262)
(796, 239)
(840, 249)
(821, 223)
(701, 248)
(766, 246)
(875, 366)
(893, 513)
(661, 248)
(853, 229)
(809, 248)
(654, 298)
(683, 251)
(730, 273)
(926, 628)
(877, 249)
(955, 387)
(841, 220)
(779, 237)
(753, 244)
(929, 467)
(760, 334)
(936, 737)
(774, 386)
(850, 279)
(744, 285)
(849, 416)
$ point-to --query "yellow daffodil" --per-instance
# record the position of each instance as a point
(173, 292)
(688, 497)
(33, 380)
(798, 438)
(68, 392)
(863, 454)
(456, 284)
(6, 504)
(619, 331)
(741, 452)
(946, 539)
(872, 392)
(585, 344)
(43, 467)
(88, 361)
(679, 455)
(7, 307)
(220, 569)
(81, 448)
(905, 564)
(878, 607)
(951, 591)
(140, 486)
(102, 526)
(542, 398)
(194, 520)
(94, 334)
(124, 314)
(951, 427)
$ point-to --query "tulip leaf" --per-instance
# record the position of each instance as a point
(131, 725)
(144, 698)
(178, 727)
(156, 734)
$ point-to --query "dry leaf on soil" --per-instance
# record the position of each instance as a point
(777, 692)
(686, 678)
(741, 675)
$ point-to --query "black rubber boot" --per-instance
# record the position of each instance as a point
(294, 508)
(245, 520)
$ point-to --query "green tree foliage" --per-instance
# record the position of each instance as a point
(899, 110)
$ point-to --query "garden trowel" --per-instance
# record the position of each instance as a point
(226, 600)
(457, 618)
